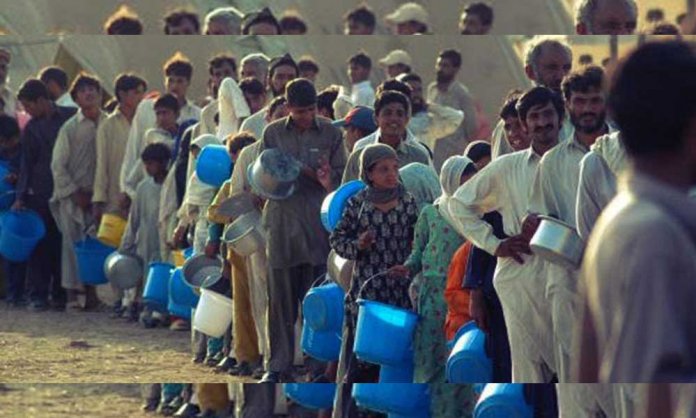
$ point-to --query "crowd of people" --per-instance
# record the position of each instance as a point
(442, 227)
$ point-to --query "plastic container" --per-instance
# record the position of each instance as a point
(156, 292)
(468, 361)
(393, 398)
(402, 373)
(21, 231)
(214, 166)
(91, 256)
(311, 395)
(323, 307)
(321, 345)
(4, 171)
(503, 400)
(6, 200)
(213, 314)
(335, 202)
(180, 293)
(379, 323)
(111, 229)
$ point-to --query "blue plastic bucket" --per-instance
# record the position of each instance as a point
(384, 333)
(156, 292)
(180, 311)
(4, 171)
(21, 231)
(419, 414)
(335, 202)
(188, 253)
(503, 400)
(180, 293)
(6, 200)
(468, 361)
(402, 373)
(91, 255)
(393, 398)
(323, 307)
(214, 166)
(311, 395)
(321, 345)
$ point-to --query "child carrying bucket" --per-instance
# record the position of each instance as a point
(142, 235)
(376, 230)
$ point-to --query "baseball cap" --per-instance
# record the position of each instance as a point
(360, 117)
(397, 56)
(408, 12)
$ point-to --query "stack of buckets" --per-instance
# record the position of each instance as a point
(399, 400)
(322, 309)
(92, 253)
(503, 400)
(311, 395)
(468, 361)
(166, 291)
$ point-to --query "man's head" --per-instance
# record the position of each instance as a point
(254, 93)
(325, 101)
(167, 112)
(35, 98)
(302, 102)
(395, 85)
(392, 113)
(585, 59)
(409, 19)
(181, 22)
(308, 68)
(86, 91)
(129, 90)
(359, 21)
(277, 109)
(260, 22)
(255, 66)
(359, 67)
(235, 143)
(178, 72)
(396, 62)
(657, 119)
(9, 135)
(5, 58)
(220, 67)
(123, 21)
(56, 81)
(292, 23)
(156, 158)
(655, 15)
(223, 21)
(416, 84)
(585, 100)
(358, 123)
(281, 71)
(541, 112)
(480, 153)
(447, 65)
(547, 61)
(514, 133)
(476, 19)
(606, 17)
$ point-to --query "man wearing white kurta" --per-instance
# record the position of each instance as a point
(504, 186)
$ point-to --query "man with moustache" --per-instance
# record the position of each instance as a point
(606, 17)
(503, 185)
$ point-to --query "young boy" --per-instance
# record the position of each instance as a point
(142, 236)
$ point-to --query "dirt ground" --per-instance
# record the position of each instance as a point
(70, 400)
(61, 347)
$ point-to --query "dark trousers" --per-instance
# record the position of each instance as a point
(543, 398)
(43, 271)
(259, 400)
(286, 290)
(497, 344)
(15, 277)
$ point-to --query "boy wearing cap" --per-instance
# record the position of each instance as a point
(396, 62)
(408, 19)
(358, 123)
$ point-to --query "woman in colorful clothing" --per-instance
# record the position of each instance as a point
(433, 247)
(376, 230)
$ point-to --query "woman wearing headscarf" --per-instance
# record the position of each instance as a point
(376, 230)
(421, 181)
(433, 247)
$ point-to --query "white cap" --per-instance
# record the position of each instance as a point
(397, 56)
(408, 12)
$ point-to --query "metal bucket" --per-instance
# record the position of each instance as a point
(123, 270)
(340, 269)
(245, 234)
(197, 268)
(557, 242)
(273, 174)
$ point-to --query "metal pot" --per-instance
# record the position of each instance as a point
(237, 205)
(197, 268)
(340, 269)
(273, 174)
(557, 242)
(123, 270)
(245, 234)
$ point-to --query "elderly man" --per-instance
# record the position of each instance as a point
(547, 60)
(503, 185)
(606, 17)
(223, 21)
(297, 242)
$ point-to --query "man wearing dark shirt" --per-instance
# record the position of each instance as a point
(35, 187)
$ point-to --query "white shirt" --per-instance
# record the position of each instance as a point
(373, 138)
(362, 94)
(500, 145)
(256, 123)
(66, 101)
(10, 99)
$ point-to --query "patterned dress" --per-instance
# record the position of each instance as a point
(433, 248)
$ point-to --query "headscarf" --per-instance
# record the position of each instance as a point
(450, 177)
(370, 156)
(421, 181)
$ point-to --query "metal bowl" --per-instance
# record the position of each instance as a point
(197, 268)
(557, 242)
(340, 269)
(237, 205)
(273, 174)
(123, 270)
(245, 234)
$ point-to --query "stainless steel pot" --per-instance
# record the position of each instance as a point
(340, 269)
(237, 205)
(273, 174)
(123, 271)
(245, 234)
(557, 242)
(197, 268)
